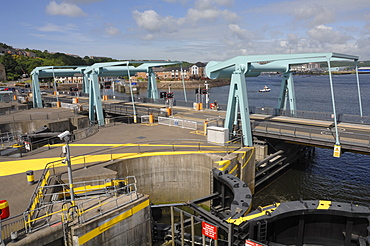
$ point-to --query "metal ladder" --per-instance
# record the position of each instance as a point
(67, 233)
(262, 231)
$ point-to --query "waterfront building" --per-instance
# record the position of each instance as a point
(195, 71)
(308, 67)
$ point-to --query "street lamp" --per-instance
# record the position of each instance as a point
(66, 137)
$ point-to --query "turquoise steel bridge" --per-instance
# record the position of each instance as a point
(237, 69)
(90, 76)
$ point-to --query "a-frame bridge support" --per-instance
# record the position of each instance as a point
(247, 66)
(287, 93)
(238, 100)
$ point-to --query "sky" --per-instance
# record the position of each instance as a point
(187, 30)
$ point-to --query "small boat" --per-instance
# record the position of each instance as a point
(265, 89)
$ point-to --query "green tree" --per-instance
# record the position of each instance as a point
(11, 67)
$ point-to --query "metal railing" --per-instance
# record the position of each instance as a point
(11, 225)
(36, 116)
(182, 123)
(58, 207)
(326, 116)
(313, 133)
(26, 148)
(96, 195)
(117, 152)
(252, 109)
(8, 139)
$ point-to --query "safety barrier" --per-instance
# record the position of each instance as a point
(90, 197)
(355, 141)
(11, 225)
(8, 139)
(187, 124)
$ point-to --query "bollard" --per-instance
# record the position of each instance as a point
(200, 106)
(151, 118)
(205, 128)
(30, 177)
(58, 104)
(169, 111)
(4, 209)
(15, 97)
(75, 100)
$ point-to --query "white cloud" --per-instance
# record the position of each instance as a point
(112, 31)
(203, 13)
(212, 14)
(242, 34)
(315, 13)
(326, 34)
(56, 28)
(148, 20)
(64, 8)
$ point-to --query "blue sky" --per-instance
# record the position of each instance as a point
(187, 30)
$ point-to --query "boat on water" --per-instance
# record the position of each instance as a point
(265, 89)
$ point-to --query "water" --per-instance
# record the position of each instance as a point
(344, 179)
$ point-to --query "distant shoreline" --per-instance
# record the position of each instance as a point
(188, 84)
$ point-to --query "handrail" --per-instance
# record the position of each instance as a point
(112, 189)
(252, 109)
(310, 133)
(184, 143)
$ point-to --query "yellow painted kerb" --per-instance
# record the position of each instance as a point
(324, 204)
(223, 164)
(110, 223)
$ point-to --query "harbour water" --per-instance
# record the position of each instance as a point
(344, 179)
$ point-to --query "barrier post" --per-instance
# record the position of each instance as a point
(169, 111)
(205, 128)
(151, 118)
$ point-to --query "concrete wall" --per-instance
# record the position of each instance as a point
(180, 178)
(80, 122)
(58, 125)
(129, 225)
(46, 236)
(169, 178)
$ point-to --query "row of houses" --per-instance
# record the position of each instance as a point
(12, 51)
(195, 71)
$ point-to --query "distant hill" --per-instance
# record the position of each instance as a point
(20, 62)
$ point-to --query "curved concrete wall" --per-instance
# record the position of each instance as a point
(169, 178)
(180, 178)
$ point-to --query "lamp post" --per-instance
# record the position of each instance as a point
(66, 137)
